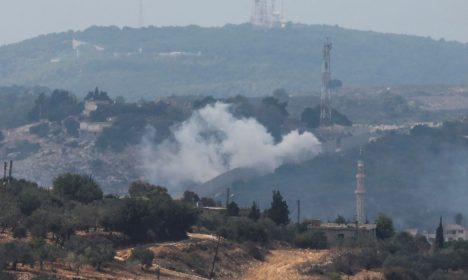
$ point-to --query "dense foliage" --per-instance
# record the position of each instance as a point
(15, 103)
(56, 107)
(77, 187)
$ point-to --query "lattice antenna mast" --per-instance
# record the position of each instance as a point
(275, 14)
(325, 104)
(141, 14)
(261, 14)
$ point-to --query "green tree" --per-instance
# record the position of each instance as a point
(77, 187)
(190, 197)
(208, 202)
(439, 239)
(95, 251)
(28, 202)
(10, 214)
(41, 130)
(232, 209)
(147, 190)
(144, 256)
(20, 232)
(278, 212)
(17, 252)
(72, 126)
(98, 95)
(384, 228)
(340, 220)
(311, 240)
(254, 213)
(44, 252)
(56, 107)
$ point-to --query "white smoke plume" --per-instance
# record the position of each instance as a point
(213, 141)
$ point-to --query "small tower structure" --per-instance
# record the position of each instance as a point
(266, 14)
(360, 193)
(260, 13)
(325, 98)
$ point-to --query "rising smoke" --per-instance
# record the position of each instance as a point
(213, 141)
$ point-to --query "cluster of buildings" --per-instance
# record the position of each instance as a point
(452, 232)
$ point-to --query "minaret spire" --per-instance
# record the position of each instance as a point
(360, 192)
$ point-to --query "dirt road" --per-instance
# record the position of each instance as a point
(283, 264)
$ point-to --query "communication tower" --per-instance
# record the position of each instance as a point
(325, 99)
(266, 14)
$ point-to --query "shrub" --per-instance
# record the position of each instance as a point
(311, 240)
(17, 252)
(41, 130)
(255, 252)
(77, 187)
(44, 277)
(95, 251)
(72, 126)
(20, 232)
(144, 256)
(398, 273)
(243, 229)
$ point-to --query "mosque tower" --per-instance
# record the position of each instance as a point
(360, 193)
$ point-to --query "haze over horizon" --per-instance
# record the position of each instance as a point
(418, 17)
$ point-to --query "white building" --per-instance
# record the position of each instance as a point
(451, 233)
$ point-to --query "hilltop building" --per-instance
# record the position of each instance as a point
(451, 233)
(93, 101)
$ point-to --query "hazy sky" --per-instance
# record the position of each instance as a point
(22, 19)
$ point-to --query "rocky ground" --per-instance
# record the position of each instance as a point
(40, 159)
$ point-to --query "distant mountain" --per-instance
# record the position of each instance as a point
(235, 59)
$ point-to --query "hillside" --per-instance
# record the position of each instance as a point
(413, 177)
(226, 61)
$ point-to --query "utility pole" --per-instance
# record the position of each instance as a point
(298, 212)
(214, 259)
(5, 166)
(10, 172)
(228, 194)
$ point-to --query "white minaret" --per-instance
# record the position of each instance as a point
(360, 193)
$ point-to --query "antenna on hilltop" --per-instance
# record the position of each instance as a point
(141, 17)
(266, 14)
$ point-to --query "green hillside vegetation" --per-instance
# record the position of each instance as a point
(15, 103)
(227, 61)
(413, 177)
(73, 224)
